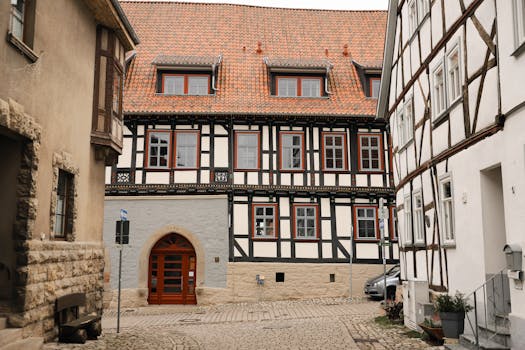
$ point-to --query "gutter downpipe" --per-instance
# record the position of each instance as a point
(328, 68)
(213, 80)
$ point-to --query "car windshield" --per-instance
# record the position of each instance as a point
(393, 270)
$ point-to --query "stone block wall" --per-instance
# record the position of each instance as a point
(54, 269)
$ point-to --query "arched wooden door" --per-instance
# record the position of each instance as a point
(172, 271)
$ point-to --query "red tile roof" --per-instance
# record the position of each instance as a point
(199, 30)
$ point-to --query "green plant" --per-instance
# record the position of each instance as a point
(431, 323)
(448, 303)
(394, 311)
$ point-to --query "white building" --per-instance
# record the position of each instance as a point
(453, 98)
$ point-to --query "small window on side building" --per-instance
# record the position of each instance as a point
(64, 205)
(23, 21)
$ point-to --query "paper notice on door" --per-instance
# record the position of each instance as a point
(191, 273)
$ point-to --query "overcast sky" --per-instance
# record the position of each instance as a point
(310, 4)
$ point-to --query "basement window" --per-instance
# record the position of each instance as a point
(279, 277)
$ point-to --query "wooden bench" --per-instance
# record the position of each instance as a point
(73, 328)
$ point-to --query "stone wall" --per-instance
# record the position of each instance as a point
(301, 281)
(54, 269)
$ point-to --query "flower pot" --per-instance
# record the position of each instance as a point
(453, 323)
(433, 332)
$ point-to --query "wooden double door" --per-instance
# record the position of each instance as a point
(172, 271)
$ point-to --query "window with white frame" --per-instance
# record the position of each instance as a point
(305, 221)
(247, 150)
(198, 85)
(366, 223)
(407, 211)
(519, 25)
(412, 16)
(186, 149)
(394, 233)
(369, 152)
(158, 149)
(264, 221)
(287, 87)
(405, 122)
(454, 75)
(447, 209)
(292, 151)
(184, 84)
(311, 87)
(438, 90)
(422, 9)
(419, 230)
(334, 155)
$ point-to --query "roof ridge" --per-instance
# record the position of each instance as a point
(168, 2)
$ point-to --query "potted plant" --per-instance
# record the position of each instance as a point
(432, 328)
(452, 311)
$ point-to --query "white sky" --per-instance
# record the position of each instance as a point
(309, 4)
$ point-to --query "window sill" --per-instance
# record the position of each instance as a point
(266, 239)
(255, 170)
(184, 169)
(303, 97)
(175, 95)
(446, 112)
(333, 171)
(22, 47)
(381, 171)
(519, 50)
(366, 240)
(291, 170)
(306, 240)
(419, 244)
(449, 245)
(405, 146)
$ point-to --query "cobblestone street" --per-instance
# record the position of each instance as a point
(314, 324)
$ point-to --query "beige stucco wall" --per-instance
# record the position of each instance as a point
(57, 91)
(302, 281)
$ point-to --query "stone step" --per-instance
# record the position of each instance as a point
(32, 343)
(3, 323)
(455, 347)
(469, 341)
(498, 334)
(9, 335)
(502, 320)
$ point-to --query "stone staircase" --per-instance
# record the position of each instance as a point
(495, 336)
(11, 339)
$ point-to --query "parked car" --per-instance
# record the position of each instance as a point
(375, 287)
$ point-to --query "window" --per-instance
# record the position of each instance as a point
(519, 19)
(264, 221)
(405, 123)
(454, 77)
(419, 221)
(22, 21)
(298, 86)
(447, 209)
(292, 151)
(394, 233)
(158, 149)
(186, 149)
(185, 84)
(375, 85)
(305, 221)
(334, 152)
(365, 222)
(422, 9)
(438, 91)
(370, 152)
(247, 145)
(63, 209)
(407, 210)
(412, 17)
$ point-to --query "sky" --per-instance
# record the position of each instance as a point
(309, 4)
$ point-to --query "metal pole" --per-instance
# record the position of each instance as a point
(382, 242)
(119, 275)
(350, 260)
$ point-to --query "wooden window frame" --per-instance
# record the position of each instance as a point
(419, 218)
(197, 149)
(241, 132)
(303, 152)
(186, 77)
(407, 221)
(370, 86)
(317, 221)
(446, 240)
(299, 88)
(275, 207)
(356, 221)
(438, 112)
(456, 49)
(66, 215)
(518, 7)
(146, 151)
(323, 152)
(394, 232)
(381, 168)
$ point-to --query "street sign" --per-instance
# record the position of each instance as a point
(123, 215)
(383, 213)
(124, 227)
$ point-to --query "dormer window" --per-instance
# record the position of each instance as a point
(374, 84)
(185, 84)
(298, 77)
(186, 75)
(298, 86)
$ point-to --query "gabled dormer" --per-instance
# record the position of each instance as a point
(298, 77)
(186, 75)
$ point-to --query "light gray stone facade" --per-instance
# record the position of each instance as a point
(204, 219)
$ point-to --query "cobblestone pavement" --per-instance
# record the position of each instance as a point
(313, 324)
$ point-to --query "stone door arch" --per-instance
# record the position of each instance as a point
(172, 272)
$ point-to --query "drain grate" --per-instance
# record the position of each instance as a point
(366, 340)
(277, 327)
(190, 320)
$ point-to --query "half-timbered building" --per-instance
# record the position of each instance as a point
(452, 97)
(253, 163)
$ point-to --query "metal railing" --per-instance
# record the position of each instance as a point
(490, 301)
